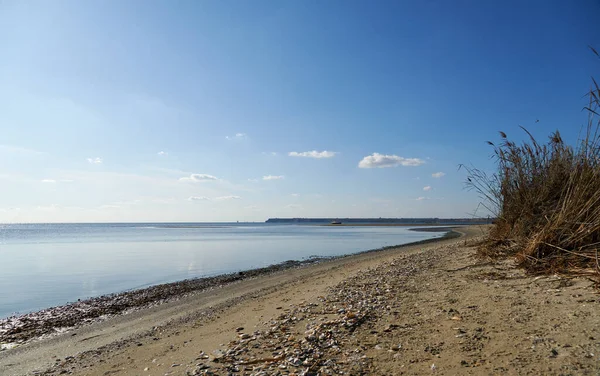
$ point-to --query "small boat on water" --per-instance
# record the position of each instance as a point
(336, 222)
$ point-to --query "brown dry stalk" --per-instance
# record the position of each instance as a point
(546, 198)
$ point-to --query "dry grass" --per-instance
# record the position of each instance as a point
(546, 197)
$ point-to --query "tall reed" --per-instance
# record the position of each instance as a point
(546, 199)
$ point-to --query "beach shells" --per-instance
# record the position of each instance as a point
(317, 338)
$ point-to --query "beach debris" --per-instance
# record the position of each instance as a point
(317, 338)
(8, 346)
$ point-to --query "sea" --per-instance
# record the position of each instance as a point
(45, 265)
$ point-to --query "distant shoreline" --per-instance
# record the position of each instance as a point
(417, 227)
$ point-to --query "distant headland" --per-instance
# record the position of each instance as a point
(399, 221)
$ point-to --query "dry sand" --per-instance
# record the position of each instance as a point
(413, 310)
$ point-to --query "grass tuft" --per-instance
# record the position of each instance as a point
(546, 198)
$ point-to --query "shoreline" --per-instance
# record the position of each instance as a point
(17, 330)
(414, 226)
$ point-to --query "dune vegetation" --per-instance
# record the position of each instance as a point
(546, 199)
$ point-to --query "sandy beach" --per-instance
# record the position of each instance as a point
(409, 310)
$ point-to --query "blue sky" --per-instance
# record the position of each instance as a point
(232, 110)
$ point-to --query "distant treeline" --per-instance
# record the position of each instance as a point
(411, 221)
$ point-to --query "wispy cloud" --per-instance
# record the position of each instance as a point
(51, 181)
(294, 195)
(163, 153)
(377, 160)
(96, 160)
(273, 177)
(438, 175)
(422, 198)
(293, 206)
(196, 178)
(252, 180)
(427, 188)
(313, 154)
(237, 136)
(270, 153)
(198, 198)
(223, 198)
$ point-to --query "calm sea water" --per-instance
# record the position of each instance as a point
(44, 265)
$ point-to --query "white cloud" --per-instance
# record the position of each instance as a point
(273, 177)
(252, 180)
(198, 198)
(162, 153)
(96, 160)
(238, 136)
(222, 198)
(313, 154)
(48, 181)
(271, 153)
(438, 174)
(198, 178)
(427, 188)
(428, 198)
(294, 195)
(377, 160)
